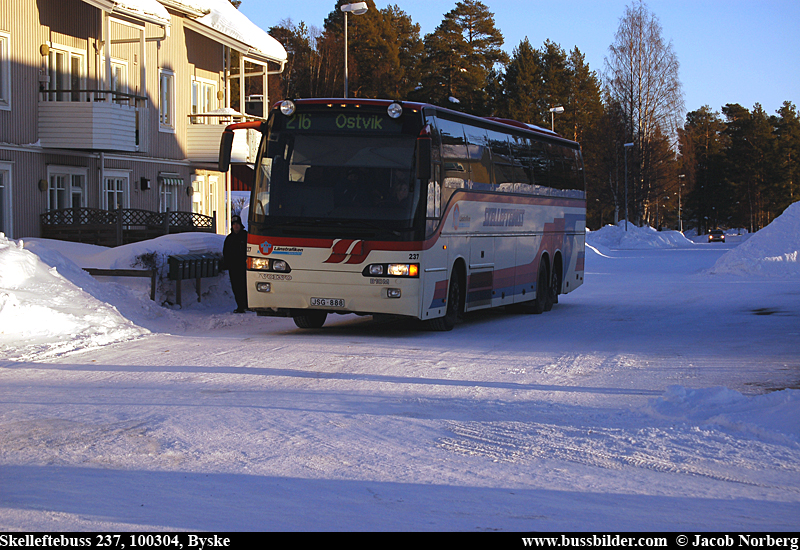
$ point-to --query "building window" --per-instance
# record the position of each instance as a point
(5, 71)
(204, 99)
(115, 191)
(5, 200)
(169, 185)
(66, 187)
(166, 100)
(119, 80)
(67, 74)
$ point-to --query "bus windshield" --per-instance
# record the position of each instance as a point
(336, 183)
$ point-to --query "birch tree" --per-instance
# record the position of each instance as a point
(642, 76)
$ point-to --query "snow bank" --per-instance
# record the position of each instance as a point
(616, 237)
(42, 311)
(150, 254)
(771, 252)
(771, 417)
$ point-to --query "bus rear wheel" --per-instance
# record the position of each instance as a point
(539, 304)
(310, 319)
(554, 289)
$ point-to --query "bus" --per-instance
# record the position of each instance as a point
(381, 207)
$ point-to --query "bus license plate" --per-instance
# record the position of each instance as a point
(327, 302)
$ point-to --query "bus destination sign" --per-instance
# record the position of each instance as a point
(344, 122)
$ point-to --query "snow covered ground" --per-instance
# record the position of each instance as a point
(661, 395)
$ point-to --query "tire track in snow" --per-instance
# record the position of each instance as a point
(682, 453)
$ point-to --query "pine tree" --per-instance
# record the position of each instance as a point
(460, 59)
(523, 85)
(787, 151)
(702, 147)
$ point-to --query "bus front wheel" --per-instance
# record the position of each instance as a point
(310, 319)
(442, 324)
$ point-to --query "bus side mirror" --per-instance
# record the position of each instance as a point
(225, 146)
(424, 159)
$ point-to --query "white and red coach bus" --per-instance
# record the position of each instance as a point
(381, 207)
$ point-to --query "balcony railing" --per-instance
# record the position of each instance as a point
(117, 227)
(99, 120)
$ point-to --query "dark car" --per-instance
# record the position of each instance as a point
(716, 236)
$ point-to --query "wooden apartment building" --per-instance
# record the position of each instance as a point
(97, 99)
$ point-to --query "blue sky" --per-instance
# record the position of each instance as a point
(731, 51)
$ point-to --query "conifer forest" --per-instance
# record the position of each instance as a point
(687, 166)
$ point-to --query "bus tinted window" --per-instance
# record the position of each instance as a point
(455, 158)
(480, 158)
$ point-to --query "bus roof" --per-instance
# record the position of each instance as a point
(340, 101)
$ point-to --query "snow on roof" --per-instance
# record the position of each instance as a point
(224, 18)
(146, 10)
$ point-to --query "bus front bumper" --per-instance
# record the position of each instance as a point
(334, 292)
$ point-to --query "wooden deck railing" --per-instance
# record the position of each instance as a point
(117, 227)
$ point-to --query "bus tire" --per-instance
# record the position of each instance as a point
(310, 319)
(539, 304)
(554, 289)
(454, 306)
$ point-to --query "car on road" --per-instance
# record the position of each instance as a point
(716, 236)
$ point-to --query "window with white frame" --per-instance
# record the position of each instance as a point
(204, 99)
(115, 193)
(119, 79)
(67, 70)
(198, 194)
(166, 100)
(66, 187)
(5, 200)
(5, 71)
(169, 186)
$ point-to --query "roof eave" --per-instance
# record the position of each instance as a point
(226, 40)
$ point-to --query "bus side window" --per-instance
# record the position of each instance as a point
(540, 165)
(434, 207)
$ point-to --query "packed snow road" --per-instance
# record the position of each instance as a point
(655, 397)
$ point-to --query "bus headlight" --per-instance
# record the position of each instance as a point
(266, 264)
(287, 107)
(393, 292)
(403, 270)
(391, 270)
(259, 263)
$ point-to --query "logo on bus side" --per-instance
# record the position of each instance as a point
(504, 217)
(459, 221)
(266, 249)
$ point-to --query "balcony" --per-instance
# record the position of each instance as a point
(94, 120)
(202, 140)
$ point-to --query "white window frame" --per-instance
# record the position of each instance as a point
(166, 100)
(198, 194)
(169, 185)
(6, 210)
(119, 85)
(200, 87)
(71, 54)
(121, 181)
(5, 71)
(70, 173)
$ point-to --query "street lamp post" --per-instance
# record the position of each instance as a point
(680, 218)
(627, 146)
(553, 112)
(357, 8)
